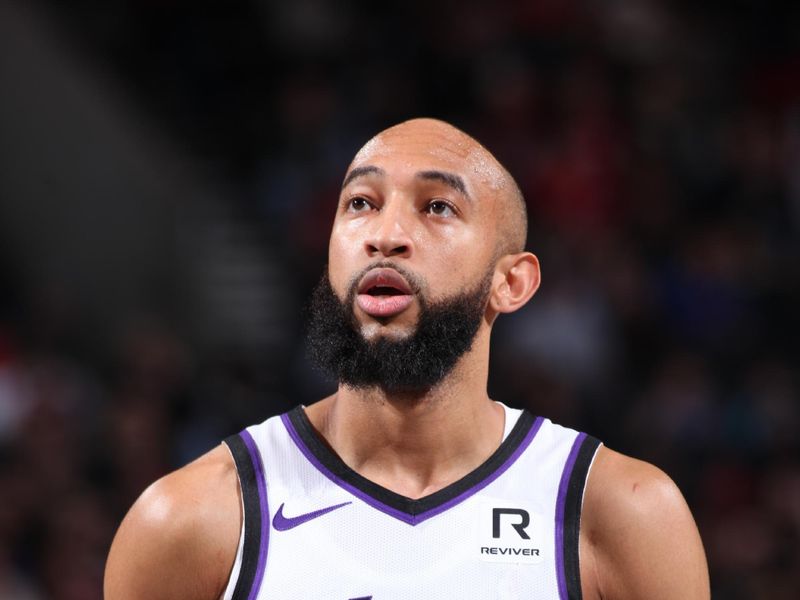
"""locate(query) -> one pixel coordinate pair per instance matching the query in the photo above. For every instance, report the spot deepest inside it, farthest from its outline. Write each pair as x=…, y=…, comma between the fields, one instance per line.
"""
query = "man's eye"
x=358, y=204
x=440, y=208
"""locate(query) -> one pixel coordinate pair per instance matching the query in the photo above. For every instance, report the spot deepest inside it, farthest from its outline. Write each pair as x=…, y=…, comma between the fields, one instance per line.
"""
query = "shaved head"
x=426, y=215
x=442, y=139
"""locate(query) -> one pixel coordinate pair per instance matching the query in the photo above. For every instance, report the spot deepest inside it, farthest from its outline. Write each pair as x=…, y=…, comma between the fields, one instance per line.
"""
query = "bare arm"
x=639, y=540
x=179, y=539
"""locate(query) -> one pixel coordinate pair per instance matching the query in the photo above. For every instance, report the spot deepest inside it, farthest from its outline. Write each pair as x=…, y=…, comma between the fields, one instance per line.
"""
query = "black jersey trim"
x=412, y=511
x=254, y=550
x=573, y=503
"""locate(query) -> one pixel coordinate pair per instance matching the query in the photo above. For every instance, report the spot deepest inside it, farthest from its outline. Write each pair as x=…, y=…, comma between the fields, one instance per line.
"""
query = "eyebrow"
x=361, y=172
x=449, y=179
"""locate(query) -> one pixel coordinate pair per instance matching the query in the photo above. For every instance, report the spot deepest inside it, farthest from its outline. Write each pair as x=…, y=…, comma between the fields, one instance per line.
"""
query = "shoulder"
x=638, y=537
x=179, y=539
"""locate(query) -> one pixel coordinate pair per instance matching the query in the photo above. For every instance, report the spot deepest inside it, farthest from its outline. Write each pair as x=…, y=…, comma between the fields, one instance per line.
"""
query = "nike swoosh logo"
x=282, y=523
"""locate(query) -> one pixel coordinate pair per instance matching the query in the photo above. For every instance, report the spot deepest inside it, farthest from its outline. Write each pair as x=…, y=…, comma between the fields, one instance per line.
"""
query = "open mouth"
x=384, y=293
x=382, y=290
x=384, y=282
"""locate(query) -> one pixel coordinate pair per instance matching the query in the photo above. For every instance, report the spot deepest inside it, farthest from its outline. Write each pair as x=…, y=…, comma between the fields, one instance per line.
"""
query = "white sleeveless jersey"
x=315, y=529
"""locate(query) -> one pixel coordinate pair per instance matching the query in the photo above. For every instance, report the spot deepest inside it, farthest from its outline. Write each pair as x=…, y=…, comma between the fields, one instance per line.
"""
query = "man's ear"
x=519, y=278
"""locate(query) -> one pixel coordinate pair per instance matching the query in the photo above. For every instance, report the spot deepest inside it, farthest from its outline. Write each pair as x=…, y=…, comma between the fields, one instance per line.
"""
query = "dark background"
x=168, y=175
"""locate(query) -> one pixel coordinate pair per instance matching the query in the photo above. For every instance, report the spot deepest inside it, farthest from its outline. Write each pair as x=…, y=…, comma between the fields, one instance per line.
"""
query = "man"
x=409, y=481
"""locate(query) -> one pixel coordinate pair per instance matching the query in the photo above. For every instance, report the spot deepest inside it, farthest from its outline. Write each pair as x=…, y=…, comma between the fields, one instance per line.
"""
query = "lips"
x=384, y=293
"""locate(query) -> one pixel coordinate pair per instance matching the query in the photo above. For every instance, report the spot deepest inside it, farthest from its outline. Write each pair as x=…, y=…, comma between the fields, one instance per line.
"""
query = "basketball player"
x=410, y=482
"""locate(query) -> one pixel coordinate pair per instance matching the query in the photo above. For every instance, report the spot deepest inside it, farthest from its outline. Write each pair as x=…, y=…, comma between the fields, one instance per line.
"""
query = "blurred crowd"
x=658, y=147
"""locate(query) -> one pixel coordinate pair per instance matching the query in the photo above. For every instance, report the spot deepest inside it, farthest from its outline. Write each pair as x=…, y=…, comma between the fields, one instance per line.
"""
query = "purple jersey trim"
x=560, y=506
x=258, y=466
x=399, y=514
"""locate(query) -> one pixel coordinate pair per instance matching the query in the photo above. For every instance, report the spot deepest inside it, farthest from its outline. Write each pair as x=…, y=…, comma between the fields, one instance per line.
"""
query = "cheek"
x=340, y=254
x=458, y=263
x=464, y=251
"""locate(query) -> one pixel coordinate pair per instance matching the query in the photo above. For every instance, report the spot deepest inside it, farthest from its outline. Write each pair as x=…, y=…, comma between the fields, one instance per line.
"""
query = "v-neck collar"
x=411, y=511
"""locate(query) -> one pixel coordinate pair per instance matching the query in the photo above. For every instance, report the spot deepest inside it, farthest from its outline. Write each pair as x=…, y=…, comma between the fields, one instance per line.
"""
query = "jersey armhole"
x=227, y=594
x=570, y=505
x=250, y=562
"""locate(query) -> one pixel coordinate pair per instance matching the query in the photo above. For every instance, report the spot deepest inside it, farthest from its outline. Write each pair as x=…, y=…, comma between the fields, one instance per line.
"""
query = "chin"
x=372, y=332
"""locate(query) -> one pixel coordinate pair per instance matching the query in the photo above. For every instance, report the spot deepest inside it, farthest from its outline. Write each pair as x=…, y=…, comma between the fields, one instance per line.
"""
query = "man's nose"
x=391, y=233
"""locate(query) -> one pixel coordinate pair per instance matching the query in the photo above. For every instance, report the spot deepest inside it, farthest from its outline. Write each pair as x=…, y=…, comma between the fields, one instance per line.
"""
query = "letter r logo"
x=524, y=520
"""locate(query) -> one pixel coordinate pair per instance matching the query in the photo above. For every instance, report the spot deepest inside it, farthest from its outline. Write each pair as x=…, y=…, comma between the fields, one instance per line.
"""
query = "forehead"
x=418, y=147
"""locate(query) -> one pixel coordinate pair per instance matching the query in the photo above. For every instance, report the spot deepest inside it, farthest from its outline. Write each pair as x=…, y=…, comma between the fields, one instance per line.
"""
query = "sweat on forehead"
x=440, y=140
x=447, y=143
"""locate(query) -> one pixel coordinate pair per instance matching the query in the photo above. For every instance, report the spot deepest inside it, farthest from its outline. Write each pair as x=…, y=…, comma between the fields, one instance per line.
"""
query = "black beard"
x=414, y=364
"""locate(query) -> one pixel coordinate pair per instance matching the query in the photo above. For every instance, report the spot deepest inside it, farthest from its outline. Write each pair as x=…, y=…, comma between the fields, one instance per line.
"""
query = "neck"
x=415, y=444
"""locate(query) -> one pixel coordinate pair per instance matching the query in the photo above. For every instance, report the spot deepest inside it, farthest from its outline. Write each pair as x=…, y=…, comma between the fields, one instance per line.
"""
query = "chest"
x=314, y=529
x=489, y=546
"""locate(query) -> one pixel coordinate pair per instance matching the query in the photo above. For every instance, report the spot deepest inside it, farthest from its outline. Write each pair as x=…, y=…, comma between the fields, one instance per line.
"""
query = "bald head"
x=441, y=140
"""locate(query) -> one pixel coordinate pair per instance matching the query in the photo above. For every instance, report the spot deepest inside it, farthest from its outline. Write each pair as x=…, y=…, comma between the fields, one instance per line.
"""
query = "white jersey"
x=315, y=529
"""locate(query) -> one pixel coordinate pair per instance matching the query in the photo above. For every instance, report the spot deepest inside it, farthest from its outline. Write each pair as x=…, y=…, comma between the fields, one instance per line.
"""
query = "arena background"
x=168, y=171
